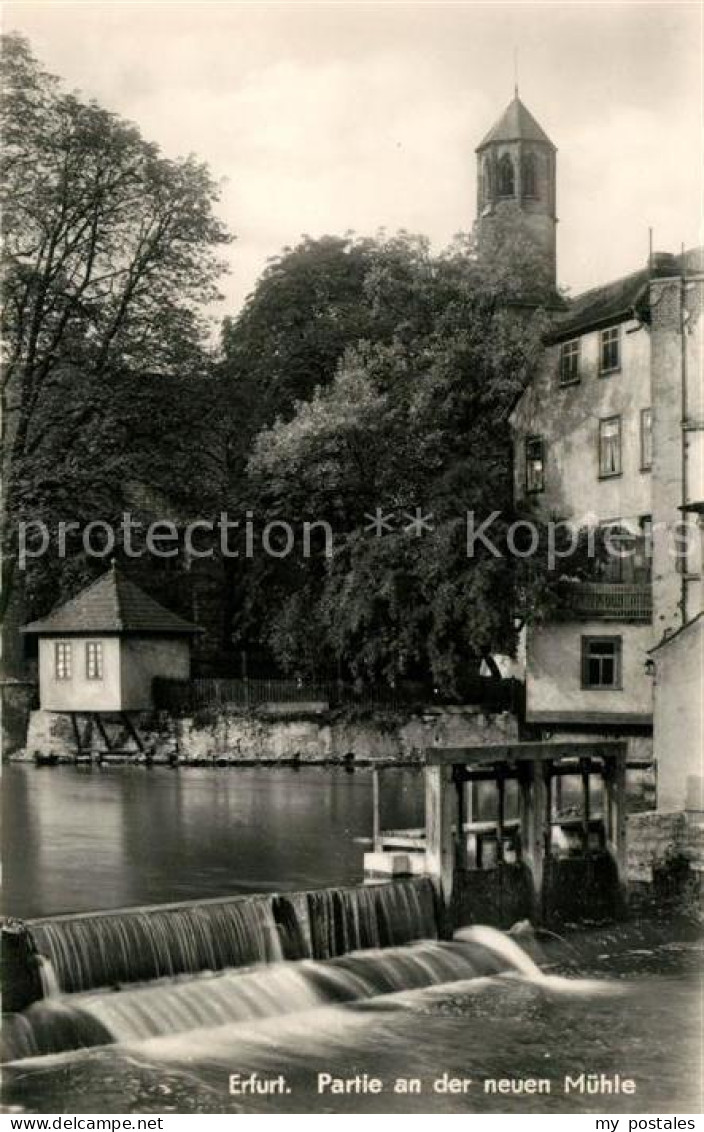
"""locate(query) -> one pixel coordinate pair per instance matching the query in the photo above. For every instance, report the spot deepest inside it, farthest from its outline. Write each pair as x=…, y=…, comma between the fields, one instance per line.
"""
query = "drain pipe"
x=684, y=561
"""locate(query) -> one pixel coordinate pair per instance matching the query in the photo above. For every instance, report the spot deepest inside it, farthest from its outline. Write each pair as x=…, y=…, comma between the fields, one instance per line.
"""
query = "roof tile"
x=112, y=604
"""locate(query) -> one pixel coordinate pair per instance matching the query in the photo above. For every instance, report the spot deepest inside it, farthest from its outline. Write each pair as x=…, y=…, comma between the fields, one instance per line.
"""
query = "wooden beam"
x=439, y=805
x=76, y=732
x=376, y=812
x=101, y=728
x=518, y=752
x=615, y=813
x=132, y=729
x=460, y=836
x=535, y=826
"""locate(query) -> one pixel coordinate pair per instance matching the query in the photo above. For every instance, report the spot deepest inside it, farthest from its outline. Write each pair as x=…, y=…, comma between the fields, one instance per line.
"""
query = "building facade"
x=609, y=437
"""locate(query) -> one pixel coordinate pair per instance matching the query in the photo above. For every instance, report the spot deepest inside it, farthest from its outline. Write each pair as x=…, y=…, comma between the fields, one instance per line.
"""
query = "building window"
x=569, y=362
x=610, y=350
x=62, y=660
x=529, y=178
x=601, y=662
x=535, y=465
x=646, y=439
x=506, y=177
x=610, y=447
x=94, y=660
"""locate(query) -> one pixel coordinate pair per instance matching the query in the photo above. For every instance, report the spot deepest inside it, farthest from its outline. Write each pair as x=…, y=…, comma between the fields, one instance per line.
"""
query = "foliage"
x=415, y=416
x=110, y=259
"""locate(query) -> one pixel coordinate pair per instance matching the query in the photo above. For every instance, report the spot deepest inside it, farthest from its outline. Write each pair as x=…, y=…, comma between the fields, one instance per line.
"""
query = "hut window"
x=94, y=660
x=529, y=177
x=62, y=660
x=506, y=177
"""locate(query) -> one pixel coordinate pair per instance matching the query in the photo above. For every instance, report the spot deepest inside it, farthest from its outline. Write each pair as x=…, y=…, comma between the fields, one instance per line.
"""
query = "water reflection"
x=76, y=839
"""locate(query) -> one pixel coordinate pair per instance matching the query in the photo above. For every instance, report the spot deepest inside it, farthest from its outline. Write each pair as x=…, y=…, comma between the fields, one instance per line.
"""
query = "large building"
x=609, y=436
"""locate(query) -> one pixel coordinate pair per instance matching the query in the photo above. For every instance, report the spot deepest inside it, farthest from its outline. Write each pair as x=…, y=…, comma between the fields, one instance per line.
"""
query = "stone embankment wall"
x=665, y=862
x=266, y=736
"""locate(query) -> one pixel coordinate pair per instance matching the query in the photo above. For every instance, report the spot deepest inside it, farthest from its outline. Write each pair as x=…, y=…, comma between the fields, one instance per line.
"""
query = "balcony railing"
x=604, y=601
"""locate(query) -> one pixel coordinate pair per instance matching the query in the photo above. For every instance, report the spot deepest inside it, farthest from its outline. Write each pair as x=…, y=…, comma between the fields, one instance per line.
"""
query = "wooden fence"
x=185, y=696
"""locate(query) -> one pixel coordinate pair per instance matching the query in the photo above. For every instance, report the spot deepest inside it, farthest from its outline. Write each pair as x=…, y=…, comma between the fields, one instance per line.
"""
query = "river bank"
x=274, y=734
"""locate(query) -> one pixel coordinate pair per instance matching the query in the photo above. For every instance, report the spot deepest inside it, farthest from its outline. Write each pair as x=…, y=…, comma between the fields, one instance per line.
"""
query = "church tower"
x=516, y=165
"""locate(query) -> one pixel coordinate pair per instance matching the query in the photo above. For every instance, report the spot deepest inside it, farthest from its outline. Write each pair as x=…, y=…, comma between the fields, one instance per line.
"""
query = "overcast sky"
x=327, y=117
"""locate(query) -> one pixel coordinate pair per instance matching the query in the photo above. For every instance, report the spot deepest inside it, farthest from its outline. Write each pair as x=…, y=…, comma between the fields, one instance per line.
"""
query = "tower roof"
x=516, y=124
x=111, y=605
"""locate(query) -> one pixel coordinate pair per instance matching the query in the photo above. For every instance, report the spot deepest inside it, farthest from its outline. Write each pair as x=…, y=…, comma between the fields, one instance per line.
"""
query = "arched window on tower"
x=506, y=177
x=488, y=174
x=529, y=176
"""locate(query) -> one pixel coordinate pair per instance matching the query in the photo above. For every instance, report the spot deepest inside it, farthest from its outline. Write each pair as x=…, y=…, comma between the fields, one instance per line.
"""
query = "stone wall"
x=665, y=862
x=228, y=737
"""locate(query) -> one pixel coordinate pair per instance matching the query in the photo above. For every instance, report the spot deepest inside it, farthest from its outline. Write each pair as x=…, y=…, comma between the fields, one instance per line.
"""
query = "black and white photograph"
x=352, y=550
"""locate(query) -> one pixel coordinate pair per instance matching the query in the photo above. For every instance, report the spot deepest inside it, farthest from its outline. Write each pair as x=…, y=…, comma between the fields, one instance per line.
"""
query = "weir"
x=137, y=973
x=135, y=945
x=544, y=854
x=168, y=1007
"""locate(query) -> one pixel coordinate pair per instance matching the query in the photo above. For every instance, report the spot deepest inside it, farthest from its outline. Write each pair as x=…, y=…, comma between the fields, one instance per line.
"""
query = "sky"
x=329, y=117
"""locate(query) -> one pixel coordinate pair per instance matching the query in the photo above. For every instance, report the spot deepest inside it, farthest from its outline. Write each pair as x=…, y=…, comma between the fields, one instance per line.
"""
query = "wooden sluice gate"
x=551, y=848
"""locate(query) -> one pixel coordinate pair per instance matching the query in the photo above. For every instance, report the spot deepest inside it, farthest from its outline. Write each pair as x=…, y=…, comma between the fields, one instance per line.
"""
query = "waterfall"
x=138, y=945
x=504, y=946
x=353, y=919
x=110, y=949
x=143, y=973
x=230, y=998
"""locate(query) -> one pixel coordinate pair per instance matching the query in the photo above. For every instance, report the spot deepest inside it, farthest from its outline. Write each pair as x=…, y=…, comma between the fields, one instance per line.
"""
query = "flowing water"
x=318, y=993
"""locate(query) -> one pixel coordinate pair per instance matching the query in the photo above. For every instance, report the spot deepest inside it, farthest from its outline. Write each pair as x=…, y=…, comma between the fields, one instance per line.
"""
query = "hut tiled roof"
x=516, y=124
x=111, y=605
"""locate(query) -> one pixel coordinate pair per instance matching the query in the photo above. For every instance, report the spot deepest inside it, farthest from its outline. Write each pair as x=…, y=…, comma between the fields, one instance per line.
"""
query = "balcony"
x=606, y=601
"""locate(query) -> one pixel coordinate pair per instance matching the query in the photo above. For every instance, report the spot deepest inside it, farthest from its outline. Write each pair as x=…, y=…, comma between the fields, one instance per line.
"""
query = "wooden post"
x=376, y=811
x=439, y=804
x=501, y=816
x=535, y=823
x=461, y=840
x=584, y=766
x=615, y=805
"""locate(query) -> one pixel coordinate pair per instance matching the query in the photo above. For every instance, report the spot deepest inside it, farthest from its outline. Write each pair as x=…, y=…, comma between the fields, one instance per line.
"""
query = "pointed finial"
x=515, y=72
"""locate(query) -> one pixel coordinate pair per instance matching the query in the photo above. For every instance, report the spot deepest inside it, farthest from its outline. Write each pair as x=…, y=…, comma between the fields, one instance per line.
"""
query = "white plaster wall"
x=79, y=693
x=679, y=719
x=567, y=417
x=554, y=675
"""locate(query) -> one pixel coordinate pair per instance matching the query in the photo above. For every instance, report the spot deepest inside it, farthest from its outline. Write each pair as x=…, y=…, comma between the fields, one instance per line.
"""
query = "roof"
x=697, y=619
x=622, y=298
x=516, y=124
x=605, y=305
x=114, y=605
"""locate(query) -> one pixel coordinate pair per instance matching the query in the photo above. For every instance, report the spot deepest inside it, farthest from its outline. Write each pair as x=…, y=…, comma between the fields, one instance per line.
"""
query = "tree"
x=110, y=261
x=413, y=424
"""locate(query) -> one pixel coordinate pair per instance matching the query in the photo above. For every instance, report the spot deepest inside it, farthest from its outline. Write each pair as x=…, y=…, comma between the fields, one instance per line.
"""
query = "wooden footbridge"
x=514, y=823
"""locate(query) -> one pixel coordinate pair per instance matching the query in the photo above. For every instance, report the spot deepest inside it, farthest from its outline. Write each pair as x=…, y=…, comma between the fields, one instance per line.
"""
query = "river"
x=609, y=1001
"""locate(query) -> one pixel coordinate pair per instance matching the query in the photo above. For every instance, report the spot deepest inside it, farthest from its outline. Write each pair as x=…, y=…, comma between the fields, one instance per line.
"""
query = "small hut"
x=100, y=651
